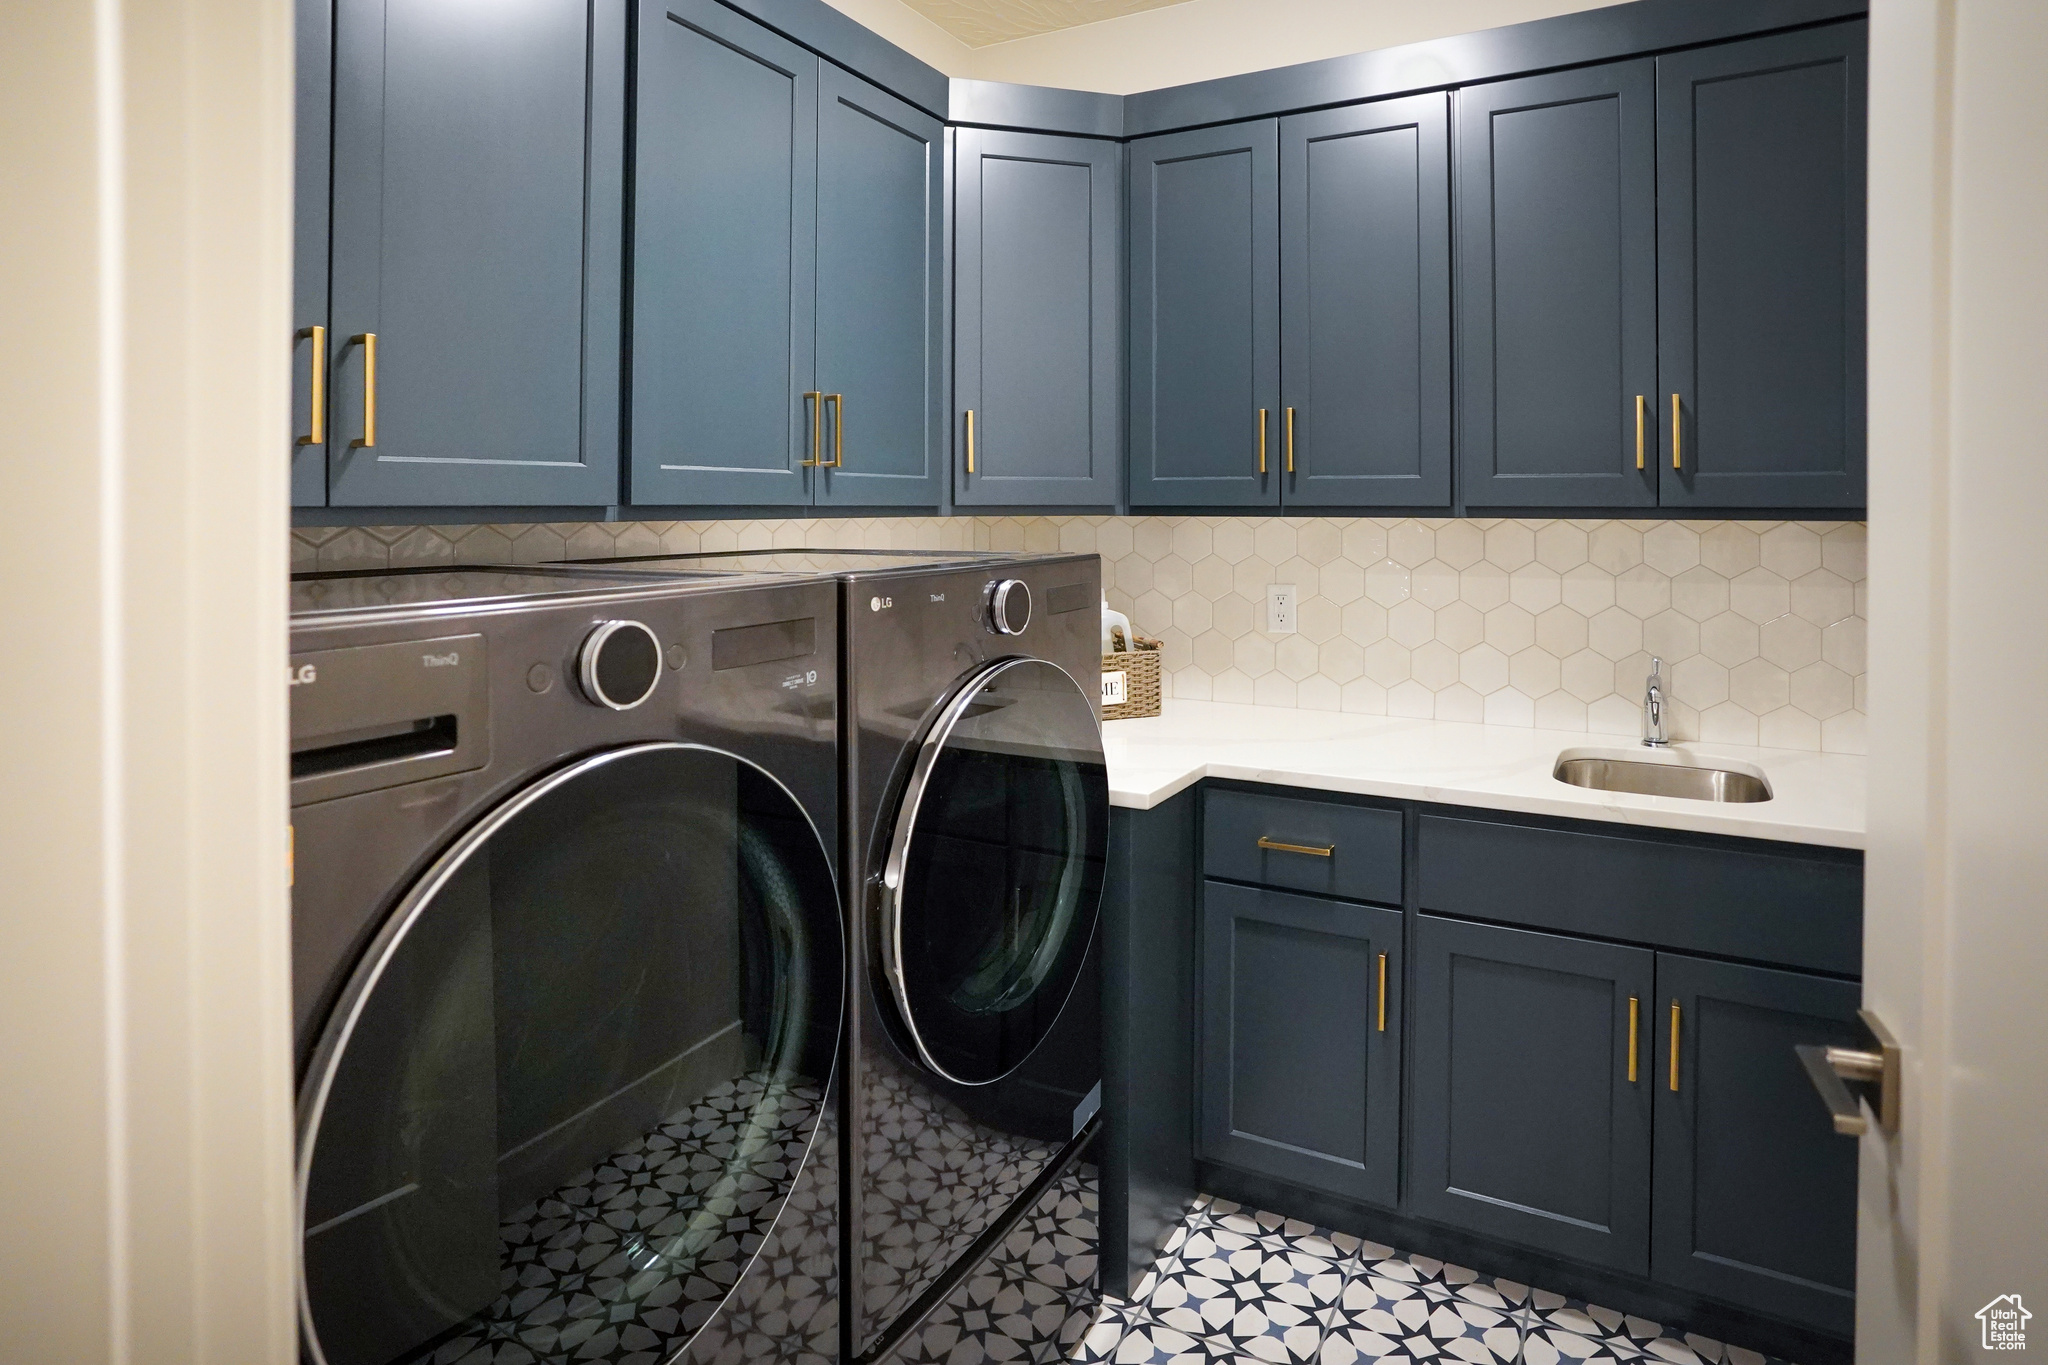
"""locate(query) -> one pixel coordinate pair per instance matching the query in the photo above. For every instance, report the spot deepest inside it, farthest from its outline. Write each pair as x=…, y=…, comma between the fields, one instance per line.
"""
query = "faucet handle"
x=1656, y=678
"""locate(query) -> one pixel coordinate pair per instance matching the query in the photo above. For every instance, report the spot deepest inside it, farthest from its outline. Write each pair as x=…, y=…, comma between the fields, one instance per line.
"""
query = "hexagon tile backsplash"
x=1535, y=623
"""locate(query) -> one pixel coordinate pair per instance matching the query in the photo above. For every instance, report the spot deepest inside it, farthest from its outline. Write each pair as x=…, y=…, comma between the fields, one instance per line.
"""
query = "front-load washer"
x=977, y=816
x=568, y=967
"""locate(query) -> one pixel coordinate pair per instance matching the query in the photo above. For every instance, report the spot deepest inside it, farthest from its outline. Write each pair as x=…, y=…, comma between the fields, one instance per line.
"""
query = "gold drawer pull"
x=1641, y=417
x=814, y=408
x=368, y=341
x=1674, y=1045
x=1383, y=992
x=1262, y=440
x=838, y=402
x=1312, y=850
x=1676, y=419
x=317, y=387
x=970, y=440
x=1634, y=1009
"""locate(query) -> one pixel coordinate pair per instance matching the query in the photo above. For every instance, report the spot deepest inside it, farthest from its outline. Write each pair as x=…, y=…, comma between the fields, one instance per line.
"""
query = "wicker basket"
x=1140, y=670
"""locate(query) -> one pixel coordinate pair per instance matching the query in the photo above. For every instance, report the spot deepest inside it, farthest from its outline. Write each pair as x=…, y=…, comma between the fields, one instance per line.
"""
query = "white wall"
x=145, y=1034
x=1955, y=1208
x=1197, y=40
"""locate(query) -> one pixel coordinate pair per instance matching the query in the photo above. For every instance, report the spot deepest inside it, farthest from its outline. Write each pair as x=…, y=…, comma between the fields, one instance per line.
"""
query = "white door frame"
x=1954, y=1210
x=145, y=1004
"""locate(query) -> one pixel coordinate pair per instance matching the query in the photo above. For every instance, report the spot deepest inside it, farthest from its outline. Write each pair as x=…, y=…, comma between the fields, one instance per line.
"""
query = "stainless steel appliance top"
x=368, y=589
x=841, y=563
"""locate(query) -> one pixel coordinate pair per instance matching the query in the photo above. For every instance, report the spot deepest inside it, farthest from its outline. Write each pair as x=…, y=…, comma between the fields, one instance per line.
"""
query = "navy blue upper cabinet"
x=1365, y=355
x=724, y=261
x=881, y=317
x=1755, y=1200
x=1531, y=1093
x=314, y=35
x=788, y=313
x=1205, y=318
x=1556, y=260
x=477, y=187
x=1301, y=1040
x=1760, y=208
x=1036, y=304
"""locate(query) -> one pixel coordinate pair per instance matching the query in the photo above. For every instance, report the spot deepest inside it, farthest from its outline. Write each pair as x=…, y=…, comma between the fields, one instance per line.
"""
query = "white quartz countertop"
x=1817, y=798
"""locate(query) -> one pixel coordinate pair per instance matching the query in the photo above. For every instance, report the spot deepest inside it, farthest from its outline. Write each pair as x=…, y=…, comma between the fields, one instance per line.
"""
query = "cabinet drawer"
x=1363, y=861
x=1801, y=907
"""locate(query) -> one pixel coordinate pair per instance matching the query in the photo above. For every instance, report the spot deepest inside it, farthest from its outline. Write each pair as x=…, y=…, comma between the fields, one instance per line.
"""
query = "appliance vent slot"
x=375, y=744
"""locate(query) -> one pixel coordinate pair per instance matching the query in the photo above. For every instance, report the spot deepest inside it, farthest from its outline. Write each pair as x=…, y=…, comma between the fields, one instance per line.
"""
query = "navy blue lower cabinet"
x=1531, y=1096
x=1301, y=1040
x=1755, y=1200
x=1036, y=319
x=1205, y=317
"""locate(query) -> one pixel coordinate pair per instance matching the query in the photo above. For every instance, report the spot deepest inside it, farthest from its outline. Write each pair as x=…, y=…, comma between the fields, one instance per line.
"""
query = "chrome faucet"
x=1653, y=707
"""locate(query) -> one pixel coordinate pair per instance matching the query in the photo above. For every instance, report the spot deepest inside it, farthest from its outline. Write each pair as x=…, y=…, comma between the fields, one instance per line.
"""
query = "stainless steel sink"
x=1613, y=772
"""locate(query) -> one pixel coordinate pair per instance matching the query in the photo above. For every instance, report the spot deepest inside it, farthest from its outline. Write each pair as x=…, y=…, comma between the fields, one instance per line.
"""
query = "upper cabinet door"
x=881, y=302
x=477, y=192
x=724, y=261
x=313, y=34
x=1755, y=1198
x=1205, y=317
x=1760, y=208
x=1557, y=349
x=1038, y=232
x=1365, y=269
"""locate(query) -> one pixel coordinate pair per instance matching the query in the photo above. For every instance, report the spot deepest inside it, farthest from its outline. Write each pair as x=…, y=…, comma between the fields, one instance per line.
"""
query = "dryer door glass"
x=567, y=1091
x=994, y=876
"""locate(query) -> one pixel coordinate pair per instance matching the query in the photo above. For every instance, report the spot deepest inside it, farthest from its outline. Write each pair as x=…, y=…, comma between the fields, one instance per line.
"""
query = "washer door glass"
x=994, y=877
x=562, y=1100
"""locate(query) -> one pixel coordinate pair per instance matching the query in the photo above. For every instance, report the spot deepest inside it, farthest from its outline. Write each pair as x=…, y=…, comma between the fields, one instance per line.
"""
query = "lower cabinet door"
x=1301, y=1040
x=1531, y=1094
x=1755, y=1199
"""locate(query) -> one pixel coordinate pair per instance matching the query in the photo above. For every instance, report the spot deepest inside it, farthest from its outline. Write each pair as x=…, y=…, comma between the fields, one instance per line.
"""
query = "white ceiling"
x=979, y=23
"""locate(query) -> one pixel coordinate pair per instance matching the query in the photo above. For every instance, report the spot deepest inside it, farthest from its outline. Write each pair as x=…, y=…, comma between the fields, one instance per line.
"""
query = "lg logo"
x=304, y=673
x=880, y=603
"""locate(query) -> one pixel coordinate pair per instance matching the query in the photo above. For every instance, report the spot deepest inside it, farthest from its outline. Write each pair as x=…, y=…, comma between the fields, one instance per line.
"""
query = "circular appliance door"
x=563, y=1099
x=994, y=875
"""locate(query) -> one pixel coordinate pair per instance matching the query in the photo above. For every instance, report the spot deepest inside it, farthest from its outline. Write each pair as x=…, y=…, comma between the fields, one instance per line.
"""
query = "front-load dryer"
x=977, y=816
x=568, y=967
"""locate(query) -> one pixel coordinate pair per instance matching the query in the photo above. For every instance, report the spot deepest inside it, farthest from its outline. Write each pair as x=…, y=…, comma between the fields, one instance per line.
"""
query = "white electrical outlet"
x=1280, y=608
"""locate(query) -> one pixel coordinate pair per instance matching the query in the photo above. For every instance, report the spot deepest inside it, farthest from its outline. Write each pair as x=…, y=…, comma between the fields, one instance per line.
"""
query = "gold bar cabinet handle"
x=1634, y=1010
x=368, y=341
x=1312, y=850
x=316, y=387
x=1674, y=1045
x=1262, y=440
x=1642, y=411
x=1290, y=440
x=838, y=402
x=814, y=404
x=970, y=440
x=1383, y=992
x=1674, y=454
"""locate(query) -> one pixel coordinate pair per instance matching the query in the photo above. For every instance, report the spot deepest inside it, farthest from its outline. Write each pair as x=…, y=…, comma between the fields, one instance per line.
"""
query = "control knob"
x=619, y=664
x=1009, y=606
